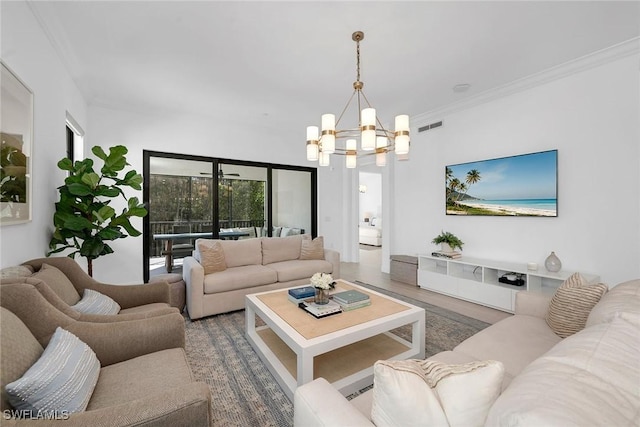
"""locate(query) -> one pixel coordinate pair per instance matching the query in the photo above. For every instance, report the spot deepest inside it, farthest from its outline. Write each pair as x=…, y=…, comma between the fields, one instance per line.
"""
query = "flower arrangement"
x=322, y=281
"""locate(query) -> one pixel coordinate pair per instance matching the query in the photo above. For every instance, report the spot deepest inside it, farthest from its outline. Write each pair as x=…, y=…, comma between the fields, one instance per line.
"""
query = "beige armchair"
x=146, y=385
x=64, y=290
x=134, y=337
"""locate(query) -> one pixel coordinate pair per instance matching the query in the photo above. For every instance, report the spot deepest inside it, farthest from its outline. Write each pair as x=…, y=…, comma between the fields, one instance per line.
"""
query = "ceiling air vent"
x=431, y=126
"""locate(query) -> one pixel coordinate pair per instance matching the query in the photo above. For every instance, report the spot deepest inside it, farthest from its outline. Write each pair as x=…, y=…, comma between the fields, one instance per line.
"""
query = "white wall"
x=592, y=118
x=28, y=53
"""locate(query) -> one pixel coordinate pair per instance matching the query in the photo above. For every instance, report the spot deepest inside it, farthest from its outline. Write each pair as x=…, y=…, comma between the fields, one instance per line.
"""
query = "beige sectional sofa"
x=251, y=265
x=589, y=378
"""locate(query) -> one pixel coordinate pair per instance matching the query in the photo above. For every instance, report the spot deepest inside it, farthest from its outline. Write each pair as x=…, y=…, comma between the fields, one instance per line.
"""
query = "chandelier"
x=374, y=138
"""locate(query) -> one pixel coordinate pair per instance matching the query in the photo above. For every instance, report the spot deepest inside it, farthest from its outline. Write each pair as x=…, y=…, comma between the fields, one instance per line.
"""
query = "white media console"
x=476, y=280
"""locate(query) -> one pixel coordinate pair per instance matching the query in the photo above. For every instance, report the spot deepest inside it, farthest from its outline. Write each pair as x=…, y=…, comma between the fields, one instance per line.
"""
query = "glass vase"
x=553, y=263
x=322, y=296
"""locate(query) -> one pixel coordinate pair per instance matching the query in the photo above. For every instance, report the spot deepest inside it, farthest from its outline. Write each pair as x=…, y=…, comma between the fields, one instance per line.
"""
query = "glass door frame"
x=215, y=217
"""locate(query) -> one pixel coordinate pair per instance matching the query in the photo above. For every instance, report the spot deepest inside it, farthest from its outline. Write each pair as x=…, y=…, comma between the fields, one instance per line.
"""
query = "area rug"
x=244, y=393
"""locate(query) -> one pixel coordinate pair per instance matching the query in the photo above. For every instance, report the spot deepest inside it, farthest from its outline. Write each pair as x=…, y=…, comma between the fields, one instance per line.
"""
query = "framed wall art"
x=16, y=134
x=523, y=185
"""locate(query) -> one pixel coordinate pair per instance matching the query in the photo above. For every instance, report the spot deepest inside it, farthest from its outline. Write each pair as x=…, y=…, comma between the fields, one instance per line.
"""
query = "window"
x=75, y=140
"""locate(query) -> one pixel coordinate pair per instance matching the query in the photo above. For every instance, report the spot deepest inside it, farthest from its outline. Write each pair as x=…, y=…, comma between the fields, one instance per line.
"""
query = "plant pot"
x=444, y=247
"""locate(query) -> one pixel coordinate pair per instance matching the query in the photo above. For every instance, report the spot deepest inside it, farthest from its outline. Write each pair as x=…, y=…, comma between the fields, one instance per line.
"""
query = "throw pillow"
x=571, y=304
x=312, y=249
x=58, y=282
x=94, y=302
x=425, y=392
x=62, y=379
x=15, y=271
x=212, y=256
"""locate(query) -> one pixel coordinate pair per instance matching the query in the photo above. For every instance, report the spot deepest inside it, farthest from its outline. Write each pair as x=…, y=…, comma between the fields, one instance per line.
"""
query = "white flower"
x=322, y=281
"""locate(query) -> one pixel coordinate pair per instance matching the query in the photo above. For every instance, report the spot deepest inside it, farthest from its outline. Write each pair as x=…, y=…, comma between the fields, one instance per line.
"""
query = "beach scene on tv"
x=524, y=185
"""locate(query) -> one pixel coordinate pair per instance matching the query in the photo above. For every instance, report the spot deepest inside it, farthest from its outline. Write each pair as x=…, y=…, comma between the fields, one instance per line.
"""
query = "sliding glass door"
x=189, y=197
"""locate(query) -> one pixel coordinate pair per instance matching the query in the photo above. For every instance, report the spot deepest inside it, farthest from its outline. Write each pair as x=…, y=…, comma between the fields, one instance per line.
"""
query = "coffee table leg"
x=417, y=336
x=305, y=368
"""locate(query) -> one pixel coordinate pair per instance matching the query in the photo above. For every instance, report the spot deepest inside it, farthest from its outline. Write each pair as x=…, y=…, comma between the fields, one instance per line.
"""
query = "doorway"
x=370, y=217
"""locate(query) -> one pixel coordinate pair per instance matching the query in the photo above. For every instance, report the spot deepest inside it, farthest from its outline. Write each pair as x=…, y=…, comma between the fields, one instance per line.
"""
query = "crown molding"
x=594, y=59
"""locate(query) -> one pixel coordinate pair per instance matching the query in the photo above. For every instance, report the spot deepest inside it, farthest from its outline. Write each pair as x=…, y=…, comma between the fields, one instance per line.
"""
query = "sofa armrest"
x=319, y=404
x=128, y=296
x=333, y=257
x=68, y=310
x=185, y=405
x=193, y=275
x=118, y=341
x=532, y=304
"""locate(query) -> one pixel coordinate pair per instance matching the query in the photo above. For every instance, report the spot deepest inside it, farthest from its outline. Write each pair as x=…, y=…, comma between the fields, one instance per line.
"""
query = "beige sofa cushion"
x=300, y=269
x=281, y=249
x=59, y=283
x=144, y=376
x=242, y=252
x=589, y=379
x=571, y=304
x=522, y=339
x=246, y=276
x=623, y=298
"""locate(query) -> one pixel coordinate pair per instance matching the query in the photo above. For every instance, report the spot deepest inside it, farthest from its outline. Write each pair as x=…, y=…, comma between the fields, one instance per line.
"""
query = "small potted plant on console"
x=448, y=243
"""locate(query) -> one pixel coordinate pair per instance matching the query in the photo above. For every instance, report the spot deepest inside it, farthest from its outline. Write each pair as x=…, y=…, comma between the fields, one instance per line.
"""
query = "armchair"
x=153, y=388
x=64, y=290
x=134, y=337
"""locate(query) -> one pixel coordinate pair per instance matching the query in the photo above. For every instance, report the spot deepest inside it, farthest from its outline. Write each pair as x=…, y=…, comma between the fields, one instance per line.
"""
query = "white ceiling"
x=285, y=63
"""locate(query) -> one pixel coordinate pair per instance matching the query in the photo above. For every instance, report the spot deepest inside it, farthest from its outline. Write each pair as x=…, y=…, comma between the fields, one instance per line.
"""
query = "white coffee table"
x=297, y=348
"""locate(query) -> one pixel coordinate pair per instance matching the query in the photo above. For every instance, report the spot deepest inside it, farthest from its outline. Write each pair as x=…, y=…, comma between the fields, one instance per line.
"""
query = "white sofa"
x=252, y=265
x=589, y=378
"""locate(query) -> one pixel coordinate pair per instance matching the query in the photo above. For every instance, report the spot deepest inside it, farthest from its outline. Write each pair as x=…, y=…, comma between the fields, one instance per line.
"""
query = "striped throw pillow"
x=94, y=302
x=62, y=379
x=571, y=304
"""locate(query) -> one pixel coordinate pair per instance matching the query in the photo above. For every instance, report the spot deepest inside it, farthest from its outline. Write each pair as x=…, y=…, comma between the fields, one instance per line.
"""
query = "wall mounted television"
x=522, y=185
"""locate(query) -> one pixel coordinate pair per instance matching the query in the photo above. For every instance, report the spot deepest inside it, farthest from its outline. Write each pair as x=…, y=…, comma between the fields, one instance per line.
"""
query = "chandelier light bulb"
x=312, y=152
x=402, y=134
x=368, y=127
x=328, y=133
x=352, y=147
x=325, y=159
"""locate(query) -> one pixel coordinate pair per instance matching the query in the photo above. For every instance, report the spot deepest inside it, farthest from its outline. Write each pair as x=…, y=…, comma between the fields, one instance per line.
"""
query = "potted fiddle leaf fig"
x=84, y=220
x=449, y=239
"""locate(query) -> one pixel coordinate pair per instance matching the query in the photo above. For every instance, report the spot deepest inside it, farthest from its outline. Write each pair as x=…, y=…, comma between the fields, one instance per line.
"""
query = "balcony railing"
x=166, y=227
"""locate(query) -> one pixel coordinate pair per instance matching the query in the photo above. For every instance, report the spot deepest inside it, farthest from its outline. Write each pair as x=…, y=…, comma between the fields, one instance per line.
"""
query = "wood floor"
x=368, y=271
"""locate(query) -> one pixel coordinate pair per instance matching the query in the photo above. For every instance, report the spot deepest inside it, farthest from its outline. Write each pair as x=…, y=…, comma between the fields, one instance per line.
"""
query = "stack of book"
x=298, y=295
x=450, y=255
x=352, y=299
x=320, y=310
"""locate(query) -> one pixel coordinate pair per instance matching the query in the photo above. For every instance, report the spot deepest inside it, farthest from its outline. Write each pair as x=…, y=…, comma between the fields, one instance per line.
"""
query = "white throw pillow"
x=425, y=392
x=62, y=380
x=94, y=302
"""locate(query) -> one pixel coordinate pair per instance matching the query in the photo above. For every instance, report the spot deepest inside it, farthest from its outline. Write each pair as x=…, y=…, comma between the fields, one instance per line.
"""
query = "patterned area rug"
x=244, y=393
